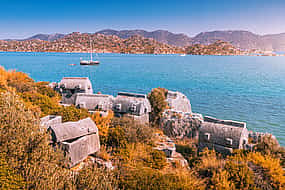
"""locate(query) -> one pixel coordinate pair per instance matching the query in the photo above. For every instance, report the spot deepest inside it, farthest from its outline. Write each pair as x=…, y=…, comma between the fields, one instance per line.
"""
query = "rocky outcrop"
x=178, y=102
x=165, y=144
x=178, y=121
x=180, y=124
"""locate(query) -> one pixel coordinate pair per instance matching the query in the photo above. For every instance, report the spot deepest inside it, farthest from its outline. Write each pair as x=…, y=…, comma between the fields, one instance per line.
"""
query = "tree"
x=157, y=99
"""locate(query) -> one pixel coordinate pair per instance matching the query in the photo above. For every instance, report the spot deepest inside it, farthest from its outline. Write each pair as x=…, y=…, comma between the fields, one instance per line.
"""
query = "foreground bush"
x=147, y=178
x=26, y=149
x=126, y=130
x=92, y=177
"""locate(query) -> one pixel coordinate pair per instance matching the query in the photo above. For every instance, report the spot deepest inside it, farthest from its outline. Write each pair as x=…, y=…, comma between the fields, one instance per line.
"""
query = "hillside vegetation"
x=81, y=42
x=29, y=162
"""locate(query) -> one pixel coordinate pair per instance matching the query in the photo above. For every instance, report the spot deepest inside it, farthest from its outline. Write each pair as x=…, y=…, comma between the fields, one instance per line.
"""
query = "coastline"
x=78, y=52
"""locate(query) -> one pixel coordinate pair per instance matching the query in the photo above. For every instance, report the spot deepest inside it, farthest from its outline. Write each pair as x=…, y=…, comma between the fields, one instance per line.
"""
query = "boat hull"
x=89, y=62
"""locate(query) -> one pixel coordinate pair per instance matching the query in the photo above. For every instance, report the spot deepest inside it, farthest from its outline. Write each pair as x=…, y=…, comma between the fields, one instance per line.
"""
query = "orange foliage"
x=103, y=124
x=3, y=78
x=220, y=181
x=272, y=168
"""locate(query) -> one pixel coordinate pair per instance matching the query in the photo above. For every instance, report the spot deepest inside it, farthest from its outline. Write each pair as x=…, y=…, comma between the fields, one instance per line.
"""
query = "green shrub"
x=188, y=150
x=157, y=99
x=133, y=131
x=45, y=103
x=117, y=137
x=44, y=89
x=71, y=113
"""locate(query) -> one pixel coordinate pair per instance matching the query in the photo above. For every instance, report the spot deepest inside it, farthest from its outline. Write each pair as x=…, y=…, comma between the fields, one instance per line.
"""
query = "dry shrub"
x=9, y=179
x=20, y=81
x=272, y=169
x=240, y=174
x=220, y=181
x=148, y=178
x=103, y=124
x=270, y=145
x=92, y=177
x=3, y=79
x=104, y=153
x=27, y=150
x=209, y=163
x=188, y=149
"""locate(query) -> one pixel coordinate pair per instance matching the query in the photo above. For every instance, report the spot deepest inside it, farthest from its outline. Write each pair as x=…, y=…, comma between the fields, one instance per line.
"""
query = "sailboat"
x=91, y=61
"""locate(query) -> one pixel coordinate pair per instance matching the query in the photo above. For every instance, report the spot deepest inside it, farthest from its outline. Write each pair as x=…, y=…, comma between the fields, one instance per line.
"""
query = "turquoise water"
x=243, y=88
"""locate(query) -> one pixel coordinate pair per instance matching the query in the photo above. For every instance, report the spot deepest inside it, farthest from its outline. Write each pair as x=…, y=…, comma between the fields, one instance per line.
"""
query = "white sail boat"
x=91, y=61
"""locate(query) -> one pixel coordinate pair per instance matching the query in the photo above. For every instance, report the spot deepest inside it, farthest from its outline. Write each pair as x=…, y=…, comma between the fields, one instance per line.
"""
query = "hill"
x=241, y=39
x=46, y=37
x=217, y=48
x=162, y=36
x=80, y=42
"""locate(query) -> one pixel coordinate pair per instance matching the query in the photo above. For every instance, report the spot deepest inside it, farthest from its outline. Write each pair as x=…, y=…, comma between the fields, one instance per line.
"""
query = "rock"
x=166, y=145
x=178, y=102
x=106, y=164
x=180, y=124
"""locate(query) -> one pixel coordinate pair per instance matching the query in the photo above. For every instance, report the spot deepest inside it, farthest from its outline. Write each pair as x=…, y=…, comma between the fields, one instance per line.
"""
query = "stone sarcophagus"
x=94, y=102
x=50, y=120
x=132, y=105
x=222, y=135
x=68, y=87
x=77, y=139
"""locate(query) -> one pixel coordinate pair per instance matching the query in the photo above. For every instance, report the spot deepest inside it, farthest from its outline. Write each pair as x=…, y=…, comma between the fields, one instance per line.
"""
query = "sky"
x=21, y=19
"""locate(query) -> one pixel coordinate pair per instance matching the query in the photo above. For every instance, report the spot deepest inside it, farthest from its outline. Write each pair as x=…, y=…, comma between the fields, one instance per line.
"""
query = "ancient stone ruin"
x=135, y=106
x=178, y=121
x=77, y=139
x=78, y=91
x=178, y=102
x=222, y=135
x=68, y=87
x=94, y=102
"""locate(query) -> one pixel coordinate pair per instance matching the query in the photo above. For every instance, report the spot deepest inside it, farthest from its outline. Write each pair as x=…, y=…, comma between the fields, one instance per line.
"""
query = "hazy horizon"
x=22, y=19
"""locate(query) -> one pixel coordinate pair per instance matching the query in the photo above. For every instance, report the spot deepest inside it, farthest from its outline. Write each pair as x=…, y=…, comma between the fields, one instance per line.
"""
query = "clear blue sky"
x=19, y=19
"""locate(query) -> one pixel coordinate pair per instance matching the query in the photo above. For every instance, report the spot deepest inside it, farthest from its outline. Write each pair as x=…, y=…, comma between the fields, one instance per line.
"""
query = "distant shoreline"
x=178, y=54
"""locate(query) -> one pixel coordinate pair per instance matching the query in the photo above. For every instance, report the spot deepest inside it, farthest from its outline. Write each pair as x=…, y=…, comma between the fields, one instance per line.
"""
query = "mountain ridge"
x=239, y=38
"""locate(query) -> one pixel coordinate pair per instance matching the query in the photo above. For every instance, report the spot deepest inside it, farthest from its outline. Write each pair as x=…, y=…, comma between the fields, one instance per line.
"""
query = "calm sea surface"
x=250, y=89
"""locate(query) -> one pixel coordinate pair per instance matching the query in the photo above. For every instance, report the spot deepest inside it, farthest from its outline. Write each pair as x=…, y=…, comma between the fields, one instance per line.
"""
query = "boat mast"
x=91, y=50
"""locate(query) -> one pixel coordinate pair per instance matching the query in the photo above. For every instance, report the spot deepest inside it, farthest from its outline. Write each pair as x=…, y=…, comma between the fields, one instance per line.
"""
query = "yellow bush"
x=220, y=181
x=103, y=124
x=272, y=168
x=209, y=163
x=148, y=178
x=3, y=79
x=26, y=148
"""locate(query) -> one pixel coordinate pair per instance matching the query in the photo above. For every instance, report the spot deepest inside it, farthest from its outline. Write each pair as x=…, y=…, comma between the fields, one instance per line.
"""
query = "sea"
x=242, y=88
